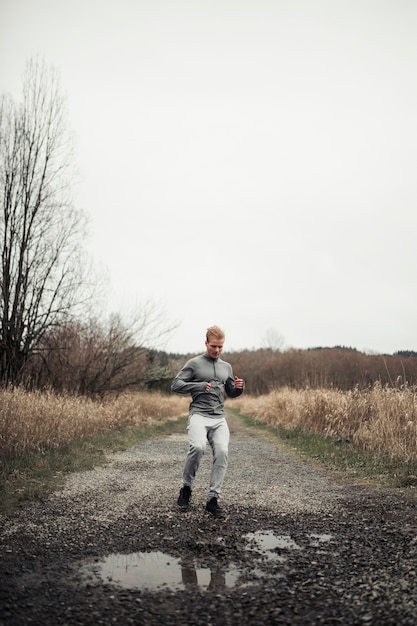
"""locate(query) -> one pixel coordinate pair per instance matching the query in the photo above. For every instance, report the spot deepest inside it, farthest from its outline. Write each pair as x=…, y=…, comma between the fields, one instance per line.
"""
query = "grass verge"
x=31, y=476
x=341, y=455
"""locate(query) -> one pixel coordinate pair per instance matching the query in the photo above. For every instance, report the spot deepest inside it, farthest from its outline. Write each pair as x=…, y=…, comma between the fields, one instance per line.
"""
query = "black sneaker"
x=213, y=508
x=184, y=497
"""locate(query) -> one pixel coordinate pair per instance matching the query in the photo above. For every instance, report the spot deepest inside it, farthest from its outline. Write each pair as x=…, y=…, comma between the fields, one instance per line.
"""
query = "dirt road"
x=298, y=545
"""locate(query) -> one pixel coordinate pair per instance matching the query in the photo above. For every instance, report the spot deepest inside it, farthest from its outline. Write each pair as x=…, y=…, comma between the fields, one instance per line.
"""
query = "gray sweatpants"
x=216, y=431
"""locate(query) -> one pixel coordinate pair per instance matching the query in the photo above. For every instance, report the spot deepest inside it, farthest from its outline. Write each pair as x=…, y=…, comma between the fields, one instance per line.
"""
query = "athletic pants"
x=216, y=431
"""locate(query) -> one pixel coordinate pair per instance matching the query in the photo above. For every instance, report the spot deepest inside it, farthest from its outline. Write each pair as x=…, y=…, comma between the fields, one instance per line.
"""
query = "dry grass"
x=381, y=420
x=34, y=421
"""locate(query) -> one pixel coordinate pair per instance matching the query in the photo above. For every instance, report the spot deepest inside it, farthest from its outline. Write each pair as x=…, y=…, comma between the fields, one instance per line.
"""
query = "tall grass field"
x=378, y=419
x=34, y=421
x=381, y=420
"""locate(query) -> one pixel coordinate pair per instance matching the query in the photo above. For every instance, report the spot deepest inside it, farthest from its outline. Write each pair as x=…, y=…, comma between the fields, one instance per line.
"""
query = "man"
x=207, y=378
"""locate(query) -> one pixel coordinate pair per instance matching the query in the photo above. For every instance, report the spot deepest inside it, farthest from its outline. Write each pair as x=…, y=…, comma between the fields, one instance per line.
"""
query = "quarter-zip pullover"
x=193, y=378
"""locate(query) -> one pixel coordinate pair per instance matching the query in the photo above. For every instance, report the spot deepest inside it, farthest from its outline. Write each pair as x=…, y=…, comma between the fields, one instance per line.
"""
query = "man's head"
x=214, y=341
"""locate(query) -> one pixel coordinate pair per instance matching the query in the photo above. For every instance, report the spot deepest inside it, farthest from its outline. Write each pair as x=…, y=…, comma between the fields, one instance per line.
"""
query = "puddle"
x=156, y=570
x=319, y=540
x=267, y=542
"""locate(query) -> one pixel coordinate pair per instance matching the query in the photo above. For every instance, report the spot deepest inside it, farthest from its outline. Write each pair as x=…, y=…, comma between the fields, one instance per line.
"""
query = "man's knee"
x=197, y=448
x=221, y=453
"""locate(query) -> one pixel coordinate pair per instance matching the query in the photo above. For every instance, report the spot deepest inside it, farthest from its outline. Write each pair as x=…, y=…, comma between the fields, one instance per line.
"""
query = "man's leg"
x=197, y=440
x=218, y=437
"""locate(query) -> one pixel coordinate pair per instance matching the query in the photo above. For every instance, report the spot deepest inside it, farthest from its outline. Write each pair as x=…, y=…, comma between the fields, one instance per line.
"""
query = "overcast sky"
x=247, y=163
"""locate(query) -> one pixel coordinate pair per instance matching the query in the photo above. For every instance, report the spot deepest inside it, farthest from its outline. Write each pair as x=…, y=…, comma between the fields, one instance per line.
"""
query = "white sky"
x=247, y=163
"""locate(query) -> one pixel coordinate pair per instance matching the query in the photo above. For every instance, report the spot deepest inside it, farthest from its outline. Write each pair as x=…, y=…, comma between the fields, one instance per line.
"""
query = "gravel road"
x=298, y=545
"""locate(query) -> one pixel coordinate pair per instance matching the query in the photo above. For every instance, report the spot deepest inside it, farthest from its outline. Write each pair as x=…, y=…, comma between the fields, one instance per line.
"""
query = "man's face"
x=214, y=347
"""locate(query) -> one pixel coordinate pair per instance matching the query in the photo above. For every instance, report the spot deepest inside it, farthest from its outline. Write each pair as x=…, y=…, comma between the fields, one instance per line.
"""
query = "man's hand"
x=208, y=387
x=239, y=383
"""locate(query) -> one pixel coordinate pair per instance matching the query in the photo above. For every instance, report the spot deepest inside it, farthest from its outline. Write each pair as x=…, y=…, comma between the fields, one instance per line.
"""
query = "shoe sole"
x=217, y=516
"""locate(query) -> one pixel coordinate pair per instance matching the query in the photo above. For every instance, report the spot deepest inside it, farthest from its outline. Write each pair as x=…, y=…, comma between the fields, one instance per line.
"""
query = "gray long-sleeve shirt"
x=193, y=378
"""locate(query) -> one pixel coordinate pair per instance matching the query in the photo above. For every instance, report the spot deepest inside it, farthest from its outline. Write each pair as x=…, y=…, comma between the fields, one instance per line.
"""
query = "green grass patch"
x=341, y=455
x=31, y=476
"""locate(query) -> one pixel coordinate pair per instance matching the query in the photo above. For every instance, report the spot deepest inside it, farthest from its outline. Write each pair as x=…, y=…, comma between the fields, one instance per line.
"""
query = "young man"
x=207, y=378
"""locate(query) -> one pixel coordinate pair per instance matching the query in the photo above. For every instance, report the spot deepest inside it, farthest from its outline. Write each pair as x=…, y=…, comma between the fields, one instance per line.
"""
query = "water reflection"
x=154, y=570
x=206, y=578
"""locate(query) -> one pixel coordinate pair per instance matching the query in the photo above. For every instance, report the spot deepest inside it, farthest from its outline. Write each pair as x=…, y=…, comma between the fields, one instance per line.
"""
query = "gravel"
x=298, y=545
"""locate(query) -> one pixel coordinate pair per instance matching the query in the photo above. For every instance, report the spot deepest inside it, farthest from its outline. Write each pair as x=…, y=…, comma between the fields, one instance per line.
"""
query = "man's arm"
x=183, y=382
x=234, y=386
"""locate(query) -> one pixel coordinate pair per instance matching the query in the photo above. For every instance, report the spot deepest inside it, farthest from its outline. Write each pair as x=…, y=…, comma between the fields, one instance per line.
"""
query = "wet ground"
x=156, y=570
x=297, y=546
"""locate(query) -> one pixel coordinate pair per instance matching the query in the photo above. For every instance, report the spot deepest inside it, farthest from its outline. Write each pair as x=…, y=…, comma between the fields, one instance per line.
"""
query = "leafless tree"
x=40, y=231
x=272, y=340
x=95, y=358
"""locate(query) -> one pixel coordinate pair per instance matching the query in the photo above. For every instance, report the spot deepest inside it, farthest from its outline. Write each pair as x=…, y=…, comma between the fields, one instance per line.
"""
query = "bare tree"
x=40, y=232
x=96, y=358
x=272, y=340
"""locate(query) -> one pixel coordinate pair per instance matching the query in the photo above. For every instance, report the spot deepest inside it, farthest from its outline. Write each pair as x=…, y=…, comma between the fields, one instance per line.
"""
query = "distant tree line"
x=96, y=360
x=338, y=367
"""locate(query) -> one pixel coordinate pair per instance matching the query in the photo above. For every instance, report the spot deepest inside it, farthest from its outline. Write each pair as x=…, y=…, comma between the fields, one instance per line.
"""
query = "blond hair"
x=214, y=331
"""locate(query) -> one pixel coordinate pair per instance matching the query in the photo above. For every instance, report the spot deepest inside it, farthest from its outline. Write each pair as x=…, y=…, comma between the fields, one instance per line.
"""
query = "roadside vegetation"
x=44, y=436
x=370, y=432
